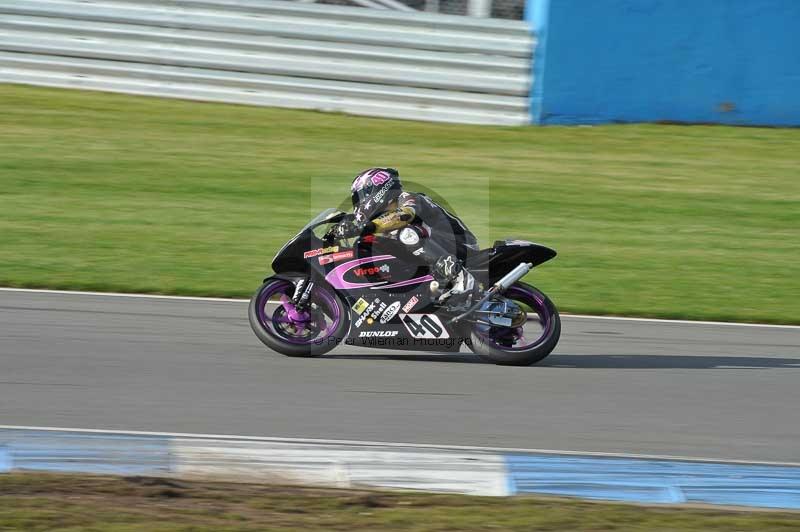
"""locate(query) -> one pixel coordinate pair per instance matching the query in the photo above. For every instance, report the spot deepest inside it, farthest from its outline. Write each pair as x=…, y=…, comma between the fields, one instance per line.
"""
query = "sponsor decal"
x=381, y=193
x=380, y=177
x=320, y=251
x=410, y=304
x=409, y=237
x=360, y=306
x=365, y=314
x=424, y=325
x=378, y=311
x=367, y=334
x=419, y=251
x=390, y=312
x=371, y=312
x=373, y=270
x=336, y=257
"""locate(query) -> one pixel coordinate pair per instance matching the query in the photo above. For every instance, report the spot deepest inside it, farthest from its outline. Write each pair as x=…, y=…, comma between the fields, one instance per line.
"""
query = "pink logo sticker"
x=380, y=177
x=410, y=304
x=335, y=257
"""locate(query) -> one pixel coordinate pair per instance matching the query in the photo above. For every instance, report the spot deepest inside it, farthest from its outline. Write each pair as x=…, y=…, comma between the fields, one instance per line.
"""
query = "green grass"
x=83, y=503
x=113, y=192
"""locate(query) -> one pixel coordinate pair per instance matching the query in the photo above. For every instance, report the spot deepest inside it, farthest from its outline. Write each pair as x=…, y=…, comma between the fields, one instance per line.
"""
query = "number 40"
x=426, y=324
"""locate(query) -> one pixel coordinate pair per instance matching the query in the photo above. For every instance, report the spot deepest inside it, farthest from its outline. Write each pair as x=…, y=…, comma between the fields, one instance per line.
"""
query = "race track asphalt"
x=699, y=390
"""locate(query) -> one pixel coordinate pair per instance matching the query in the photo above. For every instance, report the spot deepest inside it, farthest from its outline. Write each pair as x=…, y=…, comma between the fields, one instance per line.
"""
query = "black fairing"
x=290, y=257
x=497, y=261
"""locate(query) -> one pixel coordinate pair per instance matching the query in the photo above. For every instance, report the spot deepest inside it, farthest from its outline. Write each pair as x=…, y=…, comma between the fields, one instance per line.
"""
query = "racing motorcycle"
x=372, y=291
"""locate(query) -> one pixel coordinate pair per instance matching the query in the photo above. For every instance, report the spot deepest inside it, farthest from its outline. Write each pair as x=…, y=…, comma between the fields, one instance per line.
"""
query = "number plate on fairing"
x=424, y=325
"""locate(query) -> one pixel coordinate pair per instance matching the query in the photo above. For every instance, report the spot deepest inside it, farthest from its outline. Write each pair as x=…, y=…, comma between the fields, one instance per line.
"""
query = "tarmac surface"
x=718, y=391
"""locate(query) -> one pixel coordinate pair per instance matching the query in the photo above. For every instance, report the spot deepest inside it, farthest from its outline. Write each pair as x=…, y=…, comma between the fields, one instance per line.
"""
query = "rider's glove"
x=349, y=229
x=344, y=229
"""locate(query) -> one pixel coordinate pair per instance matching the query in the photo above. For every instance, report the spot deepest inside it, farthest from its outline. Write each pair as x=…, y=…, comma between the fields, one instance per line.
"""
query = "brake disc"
x=520, y=318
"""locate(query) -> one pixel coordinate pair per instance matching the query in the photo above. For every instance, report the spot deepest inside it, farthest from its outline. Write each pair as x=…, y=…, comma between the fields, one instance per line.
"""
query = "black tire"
x=527, y=357
x=282, y=346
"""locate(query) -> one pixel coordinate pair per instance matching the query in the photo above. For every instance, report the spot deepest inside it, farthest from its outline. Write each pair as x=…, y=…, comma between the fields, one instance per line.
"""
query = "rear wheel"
x=308, y=333
x=527, y=343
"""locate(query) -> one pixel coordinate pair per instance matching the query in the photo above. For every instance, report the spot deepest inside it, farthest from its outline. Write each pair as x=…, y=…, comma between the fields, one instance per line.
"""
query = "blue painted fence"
x=717, y=61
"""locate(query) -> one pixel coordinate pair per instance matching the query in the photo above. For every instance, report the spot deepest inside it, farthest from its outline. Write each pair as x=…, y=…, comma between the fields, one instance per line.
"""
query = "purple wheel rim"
x=536, y=302
x=271, y=322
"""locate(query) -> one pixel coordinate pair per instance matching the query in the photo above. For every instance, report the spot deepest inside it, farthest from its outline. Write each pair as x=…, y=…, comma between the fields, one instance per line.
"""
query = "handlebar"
x=367, y=238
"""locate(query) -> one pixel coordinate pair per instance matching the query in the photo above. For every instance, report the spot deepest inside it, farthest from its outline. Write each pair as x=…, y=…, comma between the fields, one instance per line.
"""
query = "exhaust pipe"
x=513, y=276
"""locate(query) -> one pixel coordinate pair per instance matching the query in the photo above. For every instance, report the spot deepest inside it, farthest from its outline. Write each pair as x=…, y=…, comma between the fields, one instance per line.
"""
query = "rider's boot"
x=457, y=281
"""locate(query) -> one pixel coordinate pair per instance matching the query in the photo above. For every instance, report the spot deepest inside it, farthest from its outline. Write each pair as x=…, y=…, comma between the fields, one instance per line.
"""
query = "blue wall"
x=725, y=61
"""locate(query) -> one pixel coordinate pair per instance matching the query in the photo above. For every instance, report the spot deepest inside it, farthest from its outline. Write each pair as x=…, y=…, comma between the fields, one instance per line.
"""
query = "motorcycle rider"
x=428, y=230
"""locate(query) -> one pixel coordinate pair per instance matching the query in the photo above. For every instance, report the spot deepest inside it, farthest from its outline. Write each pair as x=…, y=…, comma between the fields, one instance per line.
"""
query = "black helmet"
x=373, y=190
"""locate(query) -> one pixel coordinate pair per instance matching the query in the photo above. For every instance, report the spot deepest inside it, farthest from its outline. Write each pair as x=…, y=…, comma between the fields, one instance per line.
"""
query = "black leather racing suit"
x=445, y=242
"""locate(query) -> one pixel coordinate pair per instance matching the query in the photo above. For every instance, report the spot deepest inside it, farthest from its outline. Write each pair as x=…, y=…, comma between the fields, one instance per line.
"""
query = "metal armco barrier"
x=333, y=58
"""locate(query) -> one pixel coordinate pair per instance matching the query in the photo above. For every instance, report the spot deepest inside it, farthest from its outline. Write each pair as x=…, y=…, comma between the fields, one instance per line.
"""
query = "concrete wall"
x=723, y=61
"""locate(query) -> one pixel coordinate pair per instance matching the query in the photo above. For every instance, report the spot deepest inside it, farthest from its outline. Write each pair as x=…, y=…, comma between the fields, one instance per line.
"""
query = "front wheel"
x=528, y=342
x=311, y=332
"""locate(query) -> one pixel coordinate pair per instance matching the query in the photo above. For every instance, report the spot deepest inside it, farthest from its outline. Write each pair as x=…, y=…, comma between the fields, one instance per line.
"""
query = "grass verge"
x=123, y=193
x=39, y=502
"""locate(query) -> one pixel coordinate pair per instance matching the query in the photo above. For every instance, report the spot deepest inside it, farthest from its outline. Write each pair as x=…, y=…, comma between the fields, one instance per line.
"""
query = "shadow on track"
x=453, y=358
x=600, y=361
x=667, y=362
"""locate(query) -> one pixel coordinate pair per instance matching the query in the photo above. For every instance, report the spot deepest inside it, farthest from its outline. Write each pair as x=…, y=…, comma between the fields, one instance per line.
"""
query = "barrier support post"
x=537, y=15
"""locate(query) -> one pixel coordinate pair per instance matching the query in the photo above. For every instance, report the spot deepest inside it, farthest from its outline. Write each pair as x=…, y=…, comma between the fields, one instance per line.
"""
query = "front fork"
x=296, y=306
x=302, y=292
